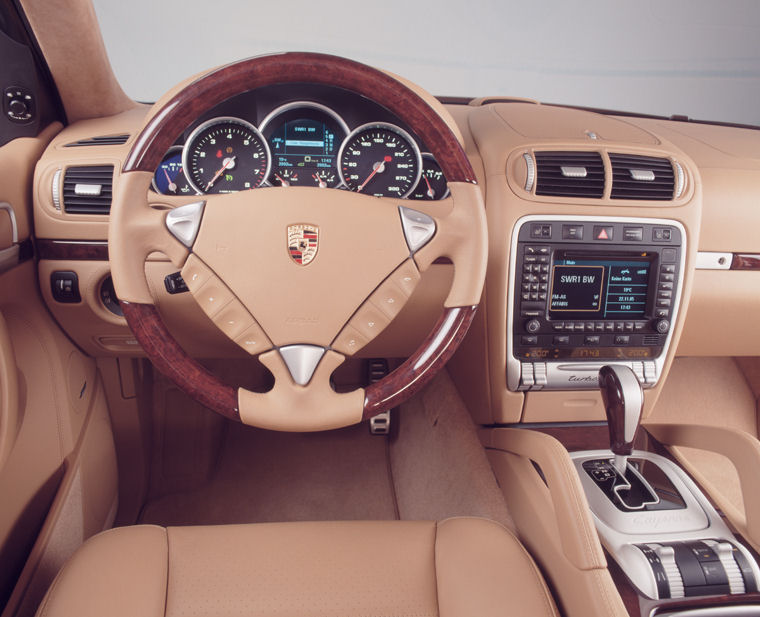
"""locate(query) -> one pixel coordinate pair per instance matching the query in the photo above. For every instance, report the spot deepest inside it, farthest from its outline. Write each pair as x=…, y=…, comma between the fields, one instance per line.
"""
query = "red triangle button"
x=603, y=235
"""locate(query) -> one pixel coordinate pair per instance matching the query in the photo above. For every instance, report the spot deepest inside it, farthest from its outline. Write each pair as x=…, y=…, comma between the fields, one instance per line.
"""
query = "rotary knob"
x=18, y=107
x=662, y=326
x=532, y=326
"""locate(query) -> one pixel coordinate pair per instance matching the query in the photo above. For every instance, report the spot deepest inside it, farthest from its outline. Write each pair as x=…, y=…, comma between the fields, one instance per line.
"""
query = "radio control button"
x=599, y=326
x=639, y=325
x=619, y=326
x=668, y=268
x=668, y=255
x=526, y=286
x=562, y=339
x=526, y=297
x=542, y=296
x=527, y=268
x=629, y=326
x=663, y=303
x=663, y=293
x=662, y=326
x=544, y=278
x=544, y=268
x=530, y=278
x=591, y=340
x=579, y=326
x=661, y=313
x=558, y=326
x=530, y=259
x=622, y=339
x=532, y=326
x=529, y=340
x=543, y=287
x=668, y=278
x=666, y=285
x=543, y=259
x=569, y=326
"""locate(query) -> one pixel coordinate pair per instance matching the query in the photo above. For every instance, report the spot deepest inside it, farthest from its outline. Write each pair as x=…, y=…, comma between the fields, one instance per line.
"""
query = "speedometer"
x=225, y=155
x=380, y=159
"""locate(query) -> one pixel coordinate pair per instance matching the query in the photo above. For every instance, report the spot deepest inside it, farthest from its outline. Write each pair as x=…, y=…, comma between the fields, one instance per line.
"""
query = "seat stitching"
x=166, y=585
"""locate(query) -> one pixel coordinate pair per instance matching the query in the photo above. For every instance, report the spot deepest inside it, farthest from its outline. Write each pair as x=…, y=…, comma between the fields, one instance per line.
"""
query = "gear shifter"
x=623, y=400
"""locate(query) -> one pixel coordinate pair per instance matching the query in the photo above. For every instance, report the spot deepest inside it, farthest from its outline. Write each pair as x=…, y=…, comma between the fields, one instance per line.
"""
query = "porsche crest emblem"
x=303, y=242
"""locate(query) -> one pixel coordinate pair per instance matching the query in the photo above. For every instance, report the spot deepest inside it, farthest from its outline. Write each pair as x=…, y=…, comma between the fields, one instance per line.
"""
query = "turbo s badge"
x=303, y=242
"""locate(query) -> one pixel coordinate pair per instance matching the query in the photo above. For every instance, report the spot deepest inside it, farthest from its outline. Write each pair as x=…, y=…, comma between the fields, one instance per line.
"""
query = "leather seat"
x=457, y=567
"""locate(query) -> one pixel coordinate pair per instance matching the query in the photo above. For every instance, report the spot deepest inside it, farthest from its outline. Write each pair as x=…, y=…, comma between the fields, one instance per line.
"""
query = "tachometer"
x=225, y=155
x=380, y=159
x=304, y=138
x=432, y=184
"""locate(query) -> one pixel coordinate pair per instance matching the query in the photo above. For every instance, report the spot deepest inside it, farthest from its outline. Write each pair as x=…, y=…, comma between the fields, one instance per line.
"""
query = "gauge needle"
x=430, y=192
x=322, y=183
x=377, y=168
x=171, y=186
x=228, y=163
x=283, y=182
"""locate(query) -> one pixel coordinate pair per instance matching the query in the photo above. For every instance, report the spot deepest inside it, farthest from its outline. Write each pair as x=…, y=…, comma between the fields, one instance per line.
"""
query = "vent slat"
x=551, y=181
x=625, y=187
x=101, y=140
x=74, y=203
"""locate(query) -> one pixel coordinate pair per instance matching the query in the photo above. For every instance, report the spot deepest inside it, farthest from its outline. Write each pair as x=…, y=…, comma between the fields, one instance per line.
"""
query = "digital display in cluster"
x=599, y=287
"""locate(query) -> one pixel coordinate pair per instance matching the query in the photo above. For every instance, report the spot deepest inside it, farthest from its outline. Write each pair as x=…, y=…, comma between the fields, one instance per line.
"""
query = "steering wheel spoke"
x=289, y=406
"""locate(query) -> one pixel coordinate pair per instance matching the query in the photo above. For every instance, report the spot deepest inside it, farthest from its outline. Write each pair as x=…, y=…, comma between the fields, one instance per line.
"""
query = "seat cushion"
x=453, y=568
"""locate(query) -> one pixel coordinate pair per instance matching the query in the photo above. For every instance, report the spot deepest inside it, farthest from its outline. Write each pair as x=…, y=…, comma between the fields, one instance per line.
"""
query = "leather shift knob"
x=623, y=399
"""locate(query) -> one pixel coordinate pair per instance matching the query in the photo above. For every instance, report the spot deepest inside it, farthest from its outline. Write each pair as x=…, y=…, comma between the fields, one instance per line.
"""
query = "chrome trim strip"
x=707, y=260
x=14, y=223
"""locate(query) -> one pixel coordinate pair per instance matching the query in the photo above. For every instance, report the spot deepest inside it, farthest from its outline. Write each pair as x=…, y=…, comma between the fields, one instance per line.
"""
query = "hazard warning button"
x=603, y=232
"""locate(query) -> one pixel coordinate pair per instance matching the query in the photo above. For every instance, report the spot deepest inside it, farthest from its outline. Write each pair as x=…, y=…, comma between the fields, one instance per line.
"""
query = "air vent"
x=569, y=174
x=652, y=340
x=87, y=190
x=103, y=140
x=641, y=177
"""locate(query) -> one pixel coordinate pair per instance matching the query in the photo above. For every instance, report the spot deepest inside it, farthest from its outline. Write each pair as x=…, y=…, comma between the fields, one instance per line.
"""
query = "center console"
x=590, y=291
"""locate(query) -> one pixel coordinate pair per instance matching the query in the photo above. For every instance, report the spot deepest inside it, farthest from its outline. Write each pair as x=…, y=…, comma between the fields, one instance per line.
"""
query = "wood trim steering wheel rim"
x=203, y=94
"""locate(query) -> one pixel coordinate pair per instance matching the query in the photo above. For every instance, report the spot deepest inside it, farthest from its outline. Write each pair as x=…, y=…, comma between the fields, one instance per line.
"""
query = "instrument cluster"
x=300, y=143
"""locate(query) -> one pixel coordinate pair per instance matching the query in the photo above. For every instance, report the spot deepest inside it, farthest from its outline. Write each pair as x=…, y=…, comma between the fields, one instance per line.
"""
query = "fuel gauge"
x=432, y=184
x=169, y=178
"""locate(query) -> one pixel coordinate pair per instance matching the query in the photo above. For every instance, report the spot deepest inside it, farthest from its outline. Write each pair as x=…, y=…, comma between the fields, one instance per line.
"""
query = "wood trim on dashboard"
x=168, y=357
x=297, y=67
x=420, y=368
x=74, y=250
x=745, y=261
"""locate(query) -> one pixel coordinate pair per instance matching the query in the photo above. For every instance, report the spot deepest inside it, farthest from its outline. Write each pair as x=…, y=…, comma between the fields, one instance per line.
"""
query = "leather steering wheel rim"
x=202, y=95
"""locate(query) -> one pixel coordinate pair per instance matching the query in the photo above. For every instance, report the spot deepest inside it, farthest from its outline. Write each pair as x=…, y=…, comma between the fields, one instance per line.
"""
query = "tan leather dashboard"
x=716, y=204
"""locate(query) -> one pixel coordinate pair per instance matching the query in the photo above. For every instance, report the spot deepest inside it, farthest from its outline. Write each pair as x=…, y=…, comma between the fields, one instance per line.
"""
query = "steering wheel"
x=302, y=320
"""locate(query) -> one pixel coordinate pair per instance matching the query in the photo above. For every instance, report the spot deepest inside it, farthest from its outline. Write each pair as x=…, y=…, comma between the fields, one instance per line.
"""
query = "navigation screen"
x=599, y=287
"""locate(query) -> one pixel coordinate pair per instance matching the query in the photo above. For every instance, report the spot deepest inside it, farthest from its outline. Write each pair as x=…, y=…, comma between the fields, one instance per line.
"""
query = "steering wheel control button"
x=389, y=298
x=195, y=273
x=213, y=296
x=369, y=320
x=349, y=341
x=185, y=221
x=233, y=319
x=302, y=361
x=419, y=228
x=253, y=340
x=406, y=276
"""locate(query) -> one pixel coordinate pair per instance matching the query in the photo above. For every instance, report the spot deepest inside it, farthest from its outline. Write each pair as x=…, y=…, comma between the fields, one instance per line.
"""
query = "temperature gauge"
x=169, y=178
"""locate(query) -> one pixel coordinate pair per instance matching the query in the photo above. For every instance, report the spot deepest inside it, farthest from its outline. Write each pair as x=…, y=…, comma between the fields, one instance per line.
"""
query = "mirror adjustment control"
x=65, y=287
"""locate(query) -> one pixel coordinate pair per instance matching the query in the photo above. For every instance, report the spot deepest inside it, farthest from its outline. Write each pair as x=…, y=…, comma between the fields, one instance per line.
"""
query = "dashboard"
x=543, y=169
x=307, y=136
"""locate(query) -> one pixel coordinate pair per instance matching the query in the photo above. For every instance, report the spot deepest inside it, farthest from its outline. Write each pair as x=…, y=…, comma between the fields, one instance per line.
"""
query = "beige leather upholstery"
x=457, y=567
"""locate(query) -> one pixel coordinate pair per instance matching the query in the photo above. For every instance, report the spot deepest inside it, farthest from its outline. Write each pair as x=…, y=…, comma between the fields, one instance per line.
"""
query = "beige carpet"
x=266, y=476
